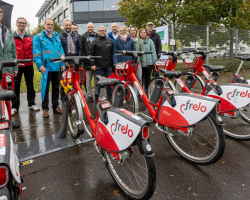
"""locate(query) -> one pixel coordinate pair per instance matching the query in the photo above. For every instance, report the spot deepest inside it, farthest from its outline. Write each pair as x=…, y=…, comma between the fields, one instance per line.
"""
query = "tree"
x=40, y=28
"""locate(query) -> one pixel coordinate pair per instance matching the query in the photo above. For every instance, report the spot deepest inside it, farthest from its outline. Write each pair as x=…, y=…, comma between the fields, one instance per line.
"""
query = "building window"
x=60, y=17
x=111, y=4
x=55, y=20
x=59, y=1
x=49, y=11
x=54, y=5
x=66, y=13
x=81, y=6
x=95, y=5
x=46, y=13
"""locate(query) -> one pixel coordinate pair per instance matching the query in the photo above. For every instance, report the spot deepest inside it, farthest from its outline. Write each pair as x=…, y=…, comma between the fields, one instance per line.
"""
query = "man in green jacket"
x=8, y=51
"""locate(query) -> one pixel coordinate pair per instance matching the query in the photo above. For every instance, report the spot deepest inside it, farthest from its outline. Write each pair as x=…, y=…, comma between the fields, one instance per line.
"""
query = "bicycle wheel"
x=130, y=100
x=196, y=87
x=151, y=85
x=245, y=113
x=204, y=146
x=75, y=114
x=237, y=126
x=136, y=177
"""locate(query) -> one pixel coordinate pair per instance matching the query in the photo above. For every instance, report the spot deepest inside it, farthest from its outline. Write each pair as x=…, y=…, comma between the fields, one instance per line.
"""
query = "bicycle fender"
x=121, y=131
x=233, y=97
x=144, y=147
x=189, y=109
x=8, y=154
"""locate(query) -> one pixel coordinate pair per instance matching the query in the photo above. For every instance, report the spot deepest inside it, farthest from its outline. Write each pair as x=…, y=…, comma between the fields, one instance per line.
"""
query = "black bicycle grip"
x=148, y=52
x=95, y=57
x=54, y=59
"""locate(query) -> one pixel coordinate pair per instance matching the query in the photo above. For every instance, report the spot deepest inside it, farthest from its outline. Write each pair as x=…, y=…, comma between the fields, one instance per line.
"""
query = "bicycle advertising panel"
x=189, y=110
x=122, y=129
x=234, y=96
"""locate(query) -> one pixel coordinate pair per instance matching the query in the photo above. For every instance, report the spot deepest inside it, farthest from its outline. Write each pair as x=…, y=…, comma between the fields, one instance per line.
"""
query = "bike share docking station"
x=28, y=150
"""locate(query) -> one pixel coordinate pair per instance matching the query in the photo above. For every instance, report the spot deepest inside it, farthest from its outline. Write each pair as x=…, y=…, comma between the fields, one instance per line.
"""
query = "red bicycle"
x=121, y=137
x=234, y=107
x=189, y=121
x=10, y=178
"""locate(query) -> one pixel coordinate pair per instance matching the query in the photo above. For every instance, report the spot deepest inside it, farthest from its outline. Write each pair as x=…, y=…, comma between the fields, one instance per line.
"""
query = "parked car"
x=244, y=53
x=210, y=55
x=188, y=55
x=227, y=53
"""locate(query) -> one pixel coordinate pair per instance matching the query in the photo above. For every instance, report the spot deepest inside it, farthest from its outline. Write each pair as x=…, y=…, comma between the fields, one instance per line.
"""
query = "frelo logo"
x=195, y=107
x=236, y=93
x=124, y=129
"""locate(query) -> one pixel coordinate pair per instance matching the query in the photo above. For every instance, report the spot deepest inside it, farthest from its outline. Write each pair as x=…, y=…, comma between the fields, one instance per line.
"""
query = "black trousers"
x=146, y=74
x=28, y=76
x=54, y=78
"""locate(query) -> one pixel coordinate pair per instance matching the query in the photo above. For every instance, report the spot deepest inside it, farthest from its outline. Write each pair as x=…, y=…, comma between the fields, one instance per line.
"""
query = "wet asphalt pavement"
x=79, y=172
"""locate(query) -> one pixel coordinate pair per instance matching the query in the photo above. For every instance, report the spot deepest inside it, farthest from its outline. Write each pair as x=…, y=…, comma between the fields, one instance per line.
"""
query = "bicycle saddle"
x=170, y=74
x=6, y=94
x=214, y=68
x=245, y=58
x=102, y=82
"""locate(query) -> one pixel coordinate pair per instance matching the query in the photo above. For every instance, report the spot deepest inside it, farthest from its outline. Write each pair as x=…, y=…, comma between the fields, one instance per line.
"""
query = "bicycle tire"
x=131, y=104
x=134, y=190
x=75, y=113
x=214, y=138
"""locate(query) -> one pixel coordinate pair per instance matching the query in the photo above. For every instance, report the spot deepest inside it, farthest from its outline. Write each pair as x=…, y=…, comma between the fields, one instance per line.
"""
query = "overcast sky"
x=26, y=9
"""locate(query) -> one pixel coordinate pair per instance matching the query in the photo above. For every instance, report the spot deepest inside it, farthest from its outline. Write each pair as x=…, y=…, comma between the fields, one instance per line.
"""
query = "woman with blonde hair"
x=150, y=58
x=123, y=42
x=133, y=31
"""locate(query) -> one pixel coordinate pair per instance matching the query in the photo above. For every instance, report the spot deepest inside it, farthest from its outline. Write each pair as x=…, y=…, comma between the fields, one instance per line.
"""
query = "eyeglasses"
x=101, y=30
x=23, y=23
x=49, y=24
x=122, y=30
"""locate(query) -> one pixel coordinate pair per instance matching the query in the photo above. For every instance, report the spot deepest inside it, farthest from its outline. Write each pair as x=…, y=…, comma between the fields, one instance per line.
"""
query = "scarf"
x=70, y=43
x=136, y=39
x=124, y=38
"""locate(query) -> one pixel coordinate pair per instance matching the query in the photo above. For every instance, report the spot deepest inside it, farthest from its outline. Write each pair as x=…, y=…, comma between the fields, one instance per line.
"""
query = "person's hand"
x=67, y=65
x=62, y=68
x=93, y=67
x=15, y=73
x=43, y=69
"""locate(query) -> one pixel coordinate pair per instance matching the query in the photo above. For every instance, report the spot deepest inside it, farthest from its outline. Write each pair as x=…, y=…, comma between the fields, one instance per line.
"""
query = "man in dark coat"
x=102, y=46
x=71, y=44
x=87, y=39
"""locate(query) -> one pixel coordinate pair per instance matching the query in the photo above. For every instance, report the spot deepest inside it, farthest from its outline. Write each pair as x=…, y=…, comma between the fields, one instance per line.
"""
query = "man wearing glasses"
x=102, y=46
x=23, y=42
x=46, y=45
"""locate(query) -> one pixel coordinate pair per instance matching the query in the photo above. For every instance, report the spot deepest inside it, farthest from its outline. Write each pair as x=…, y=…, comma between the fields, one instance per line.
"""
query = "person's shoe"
x=15, y=125
x=57, y=110
x=90, y=99
x=13, y=111
x=35, y=108
x=45, y=113
x=96, y=96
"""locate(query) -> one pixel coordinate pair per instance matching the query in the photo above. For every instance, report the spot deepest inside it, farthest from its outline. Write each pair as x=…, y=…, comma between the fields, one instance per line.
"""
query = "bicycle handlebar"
x=12, y=63
x=133, y=53
x=171, y=53
x=74, y=58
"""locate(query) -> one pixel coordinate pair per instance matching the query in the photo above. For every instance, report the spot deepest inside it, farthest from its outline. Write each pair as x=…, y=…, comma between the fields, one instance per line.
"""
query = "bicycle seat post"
x=102, y=97
x=239, y=68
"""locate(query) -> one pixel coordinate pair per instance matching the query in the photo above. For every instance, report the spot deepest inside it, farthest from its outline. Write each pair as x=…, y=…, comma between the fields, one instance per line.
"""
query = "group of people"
x=50, y=44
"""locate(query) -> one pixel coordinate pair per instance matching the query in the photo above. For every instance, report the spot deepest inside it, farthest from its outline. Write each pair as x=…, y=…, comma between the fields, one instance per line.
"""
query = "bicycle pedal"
x=24, y=188
x=78, y=123
x=26, y=162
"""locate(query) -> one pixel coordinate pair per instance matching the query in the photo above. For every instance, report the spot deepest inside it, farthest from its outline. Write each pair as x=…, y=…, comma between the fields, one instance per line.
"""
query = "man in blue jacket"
x=114, y=33
x=72, y=46
x=46, y=45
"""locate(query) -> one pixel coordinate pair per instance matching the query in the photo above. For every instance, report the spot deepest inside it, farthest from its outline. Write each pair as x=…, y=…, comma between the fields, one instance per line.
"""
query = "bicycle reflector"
x=4, y=176
x=217, y=107
x=145, y=132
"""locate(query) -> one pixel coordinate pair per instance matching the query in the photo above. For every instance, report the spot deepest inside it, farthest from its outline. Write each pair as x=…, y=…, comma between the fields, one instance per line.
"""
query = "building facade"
x=99, y=12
